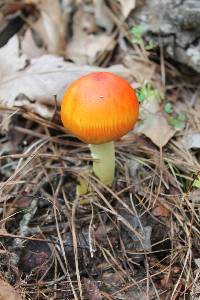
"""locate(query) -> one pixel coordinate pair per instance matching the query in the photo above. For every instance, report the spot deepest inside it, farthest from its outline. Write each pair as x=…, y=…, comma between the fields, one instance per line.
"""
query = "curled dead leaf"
x=159, y=210
x=142, y=70
x=157, y=129
x=92, y=290
x=191, y=140
x=154, y=124
x=166, y=282
x=50, y=25
x=87, y=44
x=102, y=16
x=127, y=6
x=8, y=292
x=87, y=49
x=33, y=85
x=29, y=47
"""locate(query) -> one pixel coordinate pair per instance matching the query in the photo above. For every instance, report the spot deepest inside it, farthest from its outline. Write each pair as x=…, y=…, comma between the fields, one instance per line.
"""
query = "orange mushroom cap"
x=99, y=107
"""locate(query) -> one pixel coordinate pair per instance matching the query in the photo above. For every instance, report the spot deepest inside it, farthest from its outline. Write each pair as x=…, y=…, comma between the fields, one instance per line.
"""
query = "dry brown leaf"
x=50, y=25
x=191, y=140
x=86, y=44
x=154, y=124
x=160, y=210
x=102, y=16
x=22, y=85
x=127, y=6
x=7, y=292
x=101, y=233
x=92, y=290
x=143, y=70
x=115, y=279
x=157, y=129
x=88, y=48
x=166, y=282
x=29, y=47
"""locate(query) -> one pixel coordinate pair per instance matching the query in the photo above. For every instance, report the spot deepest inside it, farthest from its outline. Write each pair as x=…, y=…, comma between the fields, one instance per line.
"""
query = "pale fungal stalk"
x=104, y=162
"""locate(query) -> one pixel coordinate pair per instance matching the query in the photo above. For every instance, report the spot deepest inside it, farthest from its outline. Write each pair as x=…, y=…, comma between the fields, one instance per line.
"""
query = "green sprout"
x=168, y=108
x=147, y=92
x=137, y=32
x=137, y=37
x=177, y=121
x=196, y=182
x=150, y=45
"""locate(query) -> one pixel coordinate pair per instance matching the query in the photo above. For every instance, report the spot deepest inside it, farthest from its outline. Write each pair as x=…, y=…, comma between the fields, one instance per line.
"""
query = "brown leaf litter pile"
x=138, y=240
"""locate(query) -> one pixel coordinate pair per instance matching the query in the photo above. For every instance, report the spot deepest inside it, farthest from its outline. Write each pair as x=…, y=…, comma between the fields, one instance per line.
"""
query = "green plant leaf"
x=177, y=122
x=150, y=45
x=147, y=92
x=168, y=108
x=137, y=31
x=196, y=183
x=137, y=34
x=181, y=117
x=140, y=96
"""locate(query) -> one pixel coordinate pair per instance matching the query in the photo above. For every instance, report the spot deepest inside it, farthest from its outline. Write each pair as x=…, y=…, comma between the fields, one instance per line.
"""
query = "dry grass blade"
x=73, y=226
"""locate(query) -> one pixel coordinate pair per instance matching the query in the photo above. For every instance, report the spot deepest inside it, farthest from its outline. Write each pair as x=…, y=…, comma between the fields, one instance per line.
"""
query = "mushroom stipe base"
x=104, y=162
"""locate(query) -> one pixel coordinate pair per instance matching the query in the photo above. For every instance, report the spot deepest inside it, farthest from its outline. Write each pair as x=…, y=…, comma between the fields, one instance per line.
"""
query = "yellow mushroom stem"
x=104, y=162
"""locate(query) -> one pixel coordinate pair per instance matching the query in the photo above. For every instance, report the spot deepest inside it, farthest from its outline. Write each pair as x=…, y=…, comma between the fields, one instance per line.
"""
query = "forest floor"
x=138, y=240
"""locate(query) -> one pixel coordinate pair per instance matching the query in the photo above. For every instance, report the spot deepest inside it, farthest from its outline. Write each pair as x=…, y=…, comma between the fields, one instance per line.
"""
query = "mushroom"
x=99, y=108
